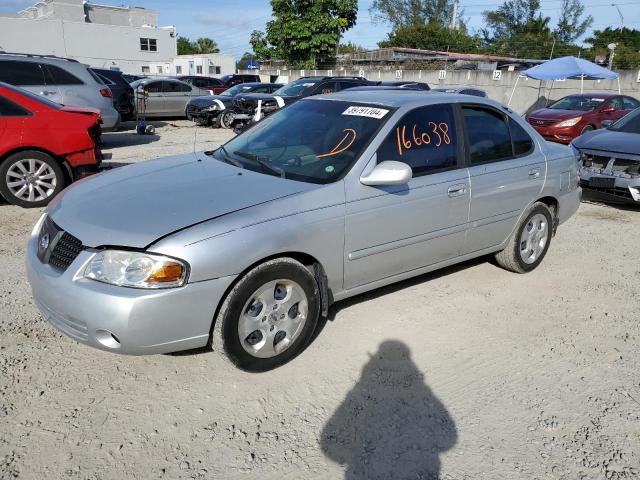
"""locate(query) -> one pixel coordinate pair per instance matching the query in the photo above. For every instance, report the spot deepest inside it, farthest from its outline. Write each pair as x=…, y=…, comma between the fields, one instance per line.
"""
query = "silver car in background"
x=247, y=246
x=166, y=97
x=60, y=80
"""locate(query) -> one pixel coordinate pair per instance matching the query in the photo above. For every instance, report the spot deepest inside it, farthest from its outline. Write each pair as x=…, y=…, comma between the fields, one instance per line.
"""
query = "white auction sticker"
x=366, y=112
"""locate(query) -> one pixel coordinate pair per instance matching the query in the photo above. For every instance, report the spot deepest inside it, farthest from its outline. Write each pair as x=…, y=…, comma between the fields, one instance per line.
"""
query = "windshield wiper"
x=226, y=157
x=260, y=161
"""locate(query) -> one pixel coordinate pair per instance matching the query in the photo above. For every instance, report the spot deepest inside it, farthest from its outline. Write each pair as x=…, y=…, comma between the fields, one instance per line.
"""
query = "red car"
x=574, y=115
x=43, y=146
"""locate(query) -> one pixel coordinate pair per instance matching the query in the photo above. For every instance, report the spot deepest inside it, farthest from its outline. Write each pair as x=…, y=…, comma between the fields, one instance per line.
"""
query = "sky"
x=230, y=22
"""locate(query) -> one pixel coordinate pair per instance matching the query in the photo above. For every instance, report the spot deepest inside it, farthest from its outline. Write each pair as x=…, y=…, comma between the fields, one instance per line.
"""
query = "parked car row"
x=61, y=80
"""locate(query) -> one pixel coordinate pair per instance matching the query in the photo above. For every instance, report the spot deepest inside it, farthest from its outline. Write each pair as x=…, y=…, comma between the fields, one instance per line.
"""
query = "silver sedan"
x=165, y=97
x=246, y=247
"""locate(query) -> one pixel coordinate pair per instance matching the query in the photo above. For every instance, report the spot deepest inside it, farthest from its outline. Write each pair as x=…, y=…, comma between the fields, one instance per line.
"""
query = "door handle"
x=534, y=173
x=456, y=190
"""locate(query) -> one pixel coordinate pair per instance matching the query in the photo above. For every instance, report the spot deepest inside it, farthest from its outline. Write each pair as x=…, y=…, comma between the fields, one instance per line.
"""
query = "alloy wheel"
x=534, y=238
x=31, y=180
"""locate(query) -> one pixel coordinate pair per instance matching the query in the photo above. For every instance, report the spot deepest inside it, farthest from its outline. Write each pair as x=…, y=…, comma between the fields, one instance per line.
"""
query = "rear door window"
x=11, y=109
x=22, y=74
x=154, y=87
x=425, y=139
x=60, y=76
x=630, y=103
x=492, y=136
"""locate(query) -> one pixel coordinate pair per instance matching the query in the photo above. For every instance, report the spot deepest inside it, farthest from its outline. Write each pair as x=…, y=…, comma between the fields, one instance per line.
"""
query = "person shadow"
x=390, y=425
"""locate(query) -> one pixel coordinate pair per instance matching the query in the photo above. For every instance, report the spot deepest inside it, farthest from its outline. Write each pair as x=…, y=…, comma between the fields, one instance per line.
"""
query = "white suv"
x=61, y=80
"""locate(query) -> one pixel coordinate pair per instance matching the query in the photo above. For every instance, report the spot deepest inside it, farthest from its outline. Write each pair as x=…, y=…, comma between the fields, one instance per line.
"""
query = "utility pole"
x=454, y=16
x=621, y=16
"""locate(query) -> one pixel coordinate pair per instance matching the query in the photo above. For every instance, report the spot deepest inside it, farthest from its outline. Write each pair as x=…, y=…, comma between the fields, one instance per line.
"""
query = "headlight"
x=211, y=108
x=270, y=108
x=569, y=123
x=136, y=269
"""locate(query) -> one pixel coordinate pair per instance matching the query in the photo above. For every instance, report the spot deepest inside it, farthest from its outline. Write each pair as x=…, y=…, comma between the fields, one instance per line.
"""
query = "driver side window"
x=425, y=139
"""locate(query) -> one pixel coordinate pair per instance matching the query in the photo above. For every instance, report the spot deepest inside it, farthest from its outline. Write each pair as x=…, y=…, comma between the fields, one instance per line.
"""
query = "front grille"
x=539, y=122
x=65, y=251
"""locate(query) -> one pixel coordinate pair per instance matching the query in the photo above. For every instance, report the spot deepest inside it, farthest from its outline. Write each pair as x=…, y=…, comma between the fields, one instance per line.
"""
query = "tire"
x=522, y=260
x=275, y=328
x=19, y=183
x=586, y=129
x=226, y=118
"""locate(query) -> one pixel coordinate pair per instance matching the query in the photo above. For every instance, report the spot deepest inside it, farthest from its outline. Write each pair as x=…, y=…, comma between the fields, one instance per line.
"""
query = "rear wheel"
x=226, y=118
x=269, y=316
x=30, y=178
x=530, y=242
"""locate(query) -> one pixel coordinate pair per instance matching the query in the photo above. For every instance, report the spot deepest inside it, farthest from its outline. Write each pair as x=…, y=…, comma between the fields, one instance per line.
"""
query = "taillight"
x=105, y=92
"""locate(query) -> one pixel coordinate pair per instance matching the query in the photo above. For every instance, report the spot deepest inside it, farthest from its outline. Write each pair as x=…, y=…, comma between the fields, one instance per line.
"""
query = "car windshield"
x=35, y=97
x=629, y=123
x=231, y=92
x=311, y=142
x=295, y=89
x=578, y=102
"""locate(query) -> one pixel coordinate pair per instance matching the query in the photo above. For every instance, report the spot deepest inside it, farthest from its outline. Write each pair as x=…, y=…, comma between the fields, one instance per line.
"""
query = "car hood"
x=208, y=100
x=134, y=206
x=609, y=141
x=553, y=114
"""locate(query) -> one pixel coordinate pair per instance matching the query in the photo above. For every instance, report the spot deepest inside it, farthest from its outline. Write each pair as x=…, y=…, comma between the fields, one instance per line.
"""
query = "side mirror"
x=388, y=172
x=607, y=123
x=608, y=110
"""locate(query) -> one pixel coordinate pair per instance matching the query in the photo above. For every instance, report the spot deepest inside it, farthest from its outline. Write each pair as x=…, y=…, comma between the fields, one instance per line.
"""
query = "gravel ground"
x=468, y=373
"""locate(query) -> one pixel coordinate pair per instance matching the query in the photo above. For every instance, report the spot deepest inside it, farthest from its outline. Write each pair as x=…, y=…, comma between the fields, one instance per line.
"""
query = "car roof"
x=404, y=98
x=591, y=95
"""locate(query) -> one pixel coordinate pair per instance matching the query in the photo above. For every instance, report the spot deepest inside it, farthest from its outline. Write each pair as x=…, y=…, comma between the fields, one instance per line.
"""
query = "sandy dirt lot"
x=468, y=373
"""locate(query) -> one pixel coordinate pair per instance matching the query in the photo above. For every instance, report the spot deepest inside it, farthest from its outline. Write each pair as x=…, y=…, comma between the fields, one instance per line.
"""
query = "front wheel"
x=30, y=179
x=226, y=118
x=586, y=129
x=530, y=242
x=269, y=316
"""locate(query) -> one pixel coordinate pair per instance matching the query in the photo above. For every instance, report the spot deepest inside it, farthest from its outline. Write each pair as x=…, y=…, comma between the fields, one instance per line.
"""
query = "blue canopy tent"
x=568, y=67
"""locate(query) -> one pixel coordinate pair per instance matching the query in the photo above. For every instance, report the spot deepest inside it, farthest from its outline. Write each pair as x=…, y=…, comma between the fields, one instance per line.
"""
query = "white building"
x=125, y=38
x=208, y=64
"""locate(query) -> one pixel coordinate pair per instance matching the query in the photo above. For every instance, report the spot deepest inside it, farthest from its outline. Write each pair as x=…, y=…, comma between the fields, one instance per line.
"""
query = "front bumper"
x=559, y=135
x=122, y=320
x=610, y=188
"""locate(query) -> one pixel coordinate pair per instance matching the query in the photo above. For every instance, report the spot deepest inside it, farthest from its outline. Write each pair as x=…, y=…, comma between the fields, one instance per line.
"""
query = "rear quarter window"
x=59, y=76
x=9, y=108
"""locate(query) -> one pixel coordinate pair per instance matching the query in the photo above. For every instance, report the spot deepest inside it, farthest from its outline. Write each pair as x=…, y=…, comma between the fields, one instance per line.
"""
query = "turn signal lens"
x=136, y=269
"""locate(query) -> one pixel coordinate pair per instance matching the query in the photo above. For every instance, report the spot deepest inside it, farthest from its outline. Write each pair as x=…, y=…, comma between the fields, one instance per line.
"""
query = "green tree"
x=433, y=36
x=305, y=33
x=245, y=60
x=349, y=47
x=571, y=24
x=510, y=19
x=406, y=13
x=185, y=47
x=205, y=45
x=627, y=49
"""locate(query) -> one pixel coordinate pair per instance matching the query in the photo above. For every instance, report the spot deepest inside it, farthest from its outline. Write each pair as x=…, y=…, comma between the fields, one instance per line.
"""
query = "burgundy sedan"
x=574, y=115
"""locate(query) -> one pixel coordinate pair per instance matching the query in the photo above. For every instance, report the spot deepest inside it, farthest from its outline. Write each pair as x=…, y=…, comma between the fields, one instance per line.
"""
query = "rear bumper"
x=110, y=119
x=568, y=205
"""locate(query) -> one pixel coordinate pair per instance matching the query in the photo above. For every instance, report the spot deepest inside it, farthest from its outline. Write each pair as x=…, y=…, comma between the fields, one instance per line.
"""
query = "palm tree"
x=206, y=45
